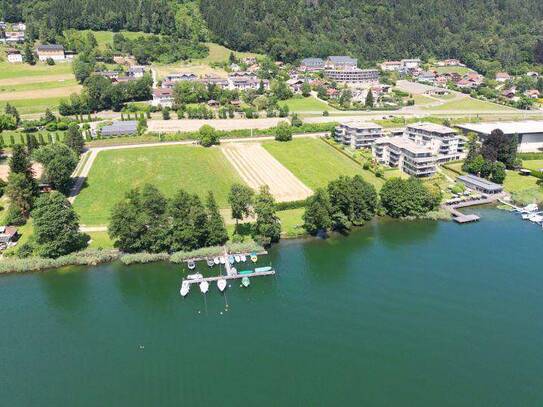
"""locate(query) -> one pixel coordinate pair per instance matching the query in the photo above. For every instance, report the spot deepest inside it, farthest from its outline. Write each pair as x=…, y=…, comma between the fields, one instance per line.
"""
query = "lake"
x=396, y=314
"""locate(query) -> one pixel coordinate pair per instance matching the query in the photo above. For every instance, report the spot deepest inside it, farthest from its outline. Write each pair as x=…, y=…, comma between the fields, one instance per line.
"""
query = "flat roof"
x=122, y=125
x=435, y=128
x=358, y=124
x=480, y=182
x=521, y=127
x=405, y=143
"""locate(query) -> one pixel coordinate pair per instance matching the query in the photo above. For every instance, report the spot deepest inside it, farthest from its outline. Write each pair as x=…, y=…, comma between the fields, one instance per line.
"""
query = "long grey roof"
x=342, y=59
x=481, y=182
x=312, y=61
x=122, y=126
x=50, y=47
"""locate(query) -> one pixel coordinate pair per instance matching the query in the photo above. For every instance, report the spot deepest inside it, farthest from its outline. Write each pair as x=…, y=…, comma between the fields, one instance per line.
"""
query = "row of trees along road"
x=351, y=201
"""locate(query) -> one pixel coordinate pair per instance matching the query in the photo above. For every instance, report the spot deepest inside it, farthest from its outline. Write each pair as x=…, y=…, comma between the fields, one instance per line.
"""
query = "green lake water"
x=397, y=314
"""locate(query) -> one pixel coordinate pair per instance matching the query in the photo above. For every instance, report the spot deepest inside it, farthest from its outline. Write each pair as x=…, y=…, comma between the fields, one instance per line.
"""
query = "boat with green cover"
x=245, y=272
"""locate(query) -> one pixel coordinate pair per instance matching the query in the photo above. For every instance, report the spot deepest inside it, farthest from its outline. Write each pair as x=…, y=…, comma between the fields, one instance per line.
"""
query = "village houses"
x=52, y=51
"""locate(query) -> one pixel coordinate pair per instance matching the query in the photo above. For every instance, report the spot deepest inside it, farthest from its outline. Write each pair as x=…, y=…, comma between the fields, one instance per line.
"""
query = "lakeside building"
x=122, y=128
x=14, y=56
x=312, y=64
x=353, y=75
x=162, y=97
x=445, y=143
x=480, y=184
x=53, y=51
x=411, y=158
x=358, y=134
x=529, y=132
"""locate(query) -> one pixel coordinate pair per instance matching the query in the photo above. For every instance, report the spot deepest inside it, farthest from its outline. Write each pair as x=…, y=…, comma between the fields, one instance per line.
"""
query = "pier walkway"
x=462, y=218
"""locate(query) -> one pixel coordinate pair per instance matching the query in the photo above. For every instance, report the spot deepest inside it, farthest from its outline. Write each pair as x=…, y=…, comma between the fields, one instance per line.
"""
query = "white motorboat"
x=222, y=260
x=210, y=262
x=536, y=218
x=529, y=209
x=216, y=260
x=185, y=287
x=221, y=284
x=243, y=258
x=191, y=265
x=204, y=286
x=196, y=276
x=237, y=258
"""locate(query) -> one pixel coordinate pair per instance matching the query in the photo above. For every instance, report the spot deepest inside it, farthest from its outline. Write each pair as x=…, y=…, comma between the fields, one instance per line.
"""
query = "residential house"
x=111, y=75
x=353, y=75
x=411, y=63
x=450, y=62
x=502, y=77
x=245, y=82
x=215, y=80
x=13, y=37
x=181, y=76
x=14, y=56
x=532, y=93
x=312, y=64
x=509, y=93
x=20, y=26
x=8, y=236
x=414, y=159
x=426, y=76
x=358, y=134
x=136, y=71
x=53, y=51
x=465, y=84
x=296, y=84
x=340, y=62
x=532, y=74
x=332, y=93
x=163, y=97
x=391, y=66
x=444, y=142
x=249, y=60
x=3, y=25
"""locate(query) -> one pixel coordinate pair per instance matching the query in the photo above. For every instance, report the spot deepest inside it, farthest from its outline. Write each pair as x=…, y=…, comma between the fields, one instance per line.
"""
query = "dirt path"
x=257, y=167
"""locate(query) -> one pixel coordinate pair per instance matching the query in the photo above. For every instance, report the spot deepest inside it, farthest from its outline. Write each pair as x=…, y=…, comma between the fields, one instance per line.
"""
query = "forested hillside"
x=486, y=34
x=476, y=31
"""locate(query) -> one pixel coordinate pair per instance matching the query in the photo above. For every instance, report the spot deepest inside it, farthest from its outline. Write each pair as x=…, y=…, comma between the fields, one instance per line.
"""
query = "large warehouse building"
x=530, y=132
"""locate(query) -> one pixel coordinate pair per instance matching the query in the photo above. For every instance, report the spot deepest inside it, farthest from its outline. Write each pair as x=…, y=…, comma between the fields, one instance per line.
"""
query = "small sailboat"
x=243, y=258
x=231, y=259
x=233, y=270
x=237, y=258
x=196, y=276
x=210, y=262
x=245, y=282
x=204, y=286
x=216, y=260
x=191, y=265
x=221, y=284
x=222, y=260
x=185, y=287
x=254, y=258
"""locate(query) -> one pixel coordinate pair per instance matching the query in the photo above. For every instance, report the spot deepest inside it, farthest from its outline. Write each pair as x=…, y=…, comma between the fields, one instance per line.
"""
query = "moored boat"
x=254, y=257
x=221, y=284
x=237, y=258
x=243, y=258
x=231, y=259
x=263, y=269
x=222, y=260
x=210, y=262
x=204, y=286
x=245, y=281
x=216, y=260
x=185, y=287
x=191, y=265
x=196, y=276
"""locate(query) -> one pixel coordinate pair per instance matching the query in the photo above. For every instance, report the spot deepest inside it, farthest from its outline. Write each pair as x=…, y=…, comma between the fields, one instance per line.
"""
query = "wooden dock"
x=462, y=218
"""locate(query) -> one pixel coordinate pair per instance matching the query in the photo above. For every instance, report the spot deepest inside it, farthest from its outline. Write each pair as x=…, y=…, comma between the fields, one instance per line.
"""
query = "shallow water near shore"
x=399, y=313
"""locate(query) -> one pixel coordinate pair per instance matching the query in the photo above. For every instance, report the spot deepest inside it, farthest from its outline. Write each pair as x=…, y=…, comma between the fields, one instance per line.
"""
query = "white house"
x=162, y=97
x=53, y=51
x=14, y=56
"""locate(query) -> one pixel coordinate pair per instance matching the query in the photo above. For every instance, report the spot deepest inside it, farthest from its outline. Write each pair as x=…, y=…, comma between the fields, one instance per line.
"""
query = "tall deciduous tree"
x=240, y=199
x=268, y=226
x=318, y=213
x=74, y=139
x=217, y=234
x=59, y=162
x=56, y=227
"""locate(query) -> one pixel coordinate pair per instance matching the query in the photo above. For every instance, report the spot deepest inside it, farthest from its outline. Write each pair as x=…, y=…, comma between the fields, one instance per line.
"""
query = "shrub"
x=50, y=61
x=142, y=258
x=283, y=132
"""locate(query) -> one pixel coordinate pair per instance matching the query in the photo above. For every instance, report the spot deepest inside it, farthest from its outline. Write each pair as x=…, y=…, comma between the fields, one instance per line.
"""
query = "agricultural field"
x=105, y=38
x=308, y=104
x=32, y=89
x=423, y=100
x=470, y=105
x=316, y=163
x=169, y=168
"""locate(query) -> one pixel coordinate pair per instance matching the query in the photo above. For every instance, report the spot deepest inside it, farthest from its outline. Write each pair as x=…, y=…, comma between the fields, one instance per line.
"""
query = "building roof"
x=121, y=127
x=312, y=61
x=342, y=59
x=50, y=47
x=523, y=127
x=358, y=124
x=434, y=128
x=480, y=182
x=404, y=143
x=162, y=92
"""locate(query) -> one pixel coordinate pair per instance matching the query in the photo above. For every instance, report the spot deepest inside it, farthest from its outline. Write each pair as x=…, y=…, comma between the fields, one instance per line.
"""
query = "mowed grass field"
x=308, y=104
x=470, y=105
x=461, y=70
x=316, y=163
x=532, y=164
x=170, y=168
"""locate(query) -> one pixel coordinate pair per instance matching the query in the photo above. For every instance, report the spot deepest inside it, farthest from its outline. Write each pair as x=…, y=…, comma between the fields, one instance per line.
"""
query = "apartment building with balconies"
x=358, y=134
x=414, y=159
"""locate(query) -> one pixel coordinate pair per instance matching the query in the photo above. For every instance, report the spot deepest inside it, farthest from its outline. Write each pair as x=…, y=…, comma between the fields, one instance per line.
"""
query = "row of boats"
x=532, y=213
x=232, y=259
x=204, y=285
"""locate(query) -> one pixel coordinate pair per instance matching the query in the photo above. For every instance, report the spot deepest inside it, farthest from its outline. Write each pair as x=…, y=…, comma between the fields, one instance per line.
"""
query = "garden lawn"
x=12, y=71
x=38, y=105
x=470, y=105
x=461, y=70
x=532, y=164
x=170, y=168
x=308, y=104
x=292, y=222
x=316, y=163
x=100, y=240
x=524, y=189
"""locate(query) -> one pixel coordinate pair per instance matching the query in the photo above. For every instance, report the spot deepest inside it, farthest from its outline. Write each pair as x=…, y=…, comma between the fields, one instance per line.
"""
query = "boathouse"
x=480, y=184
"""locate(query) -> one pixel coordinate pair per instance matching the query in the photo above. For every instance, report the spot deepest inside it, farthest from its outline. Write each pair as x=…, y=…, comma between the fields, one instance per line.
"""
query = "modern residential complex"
x=353, y=75
x=529, y=132
x=411, y=158
x=445, y=143
x=358, y=134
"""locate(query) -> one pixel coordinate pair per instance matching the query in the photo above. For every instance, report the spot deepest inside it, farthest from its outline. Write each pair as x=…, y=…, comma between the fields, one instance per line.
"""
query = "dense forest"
x=486, y=34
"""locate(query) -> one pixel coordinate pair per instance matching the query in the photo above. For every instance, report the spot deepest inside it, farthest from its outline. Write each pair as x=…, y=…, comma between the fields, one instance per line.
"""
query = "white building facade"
x=411, y=158
x=358, y=134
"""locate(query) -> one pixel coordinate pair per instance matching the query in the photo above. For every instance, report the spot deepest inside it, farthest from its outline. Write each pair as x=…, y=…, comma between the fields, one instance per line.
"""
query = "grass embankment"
x=169, y=168
x=316, y=163
x=309, y=104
